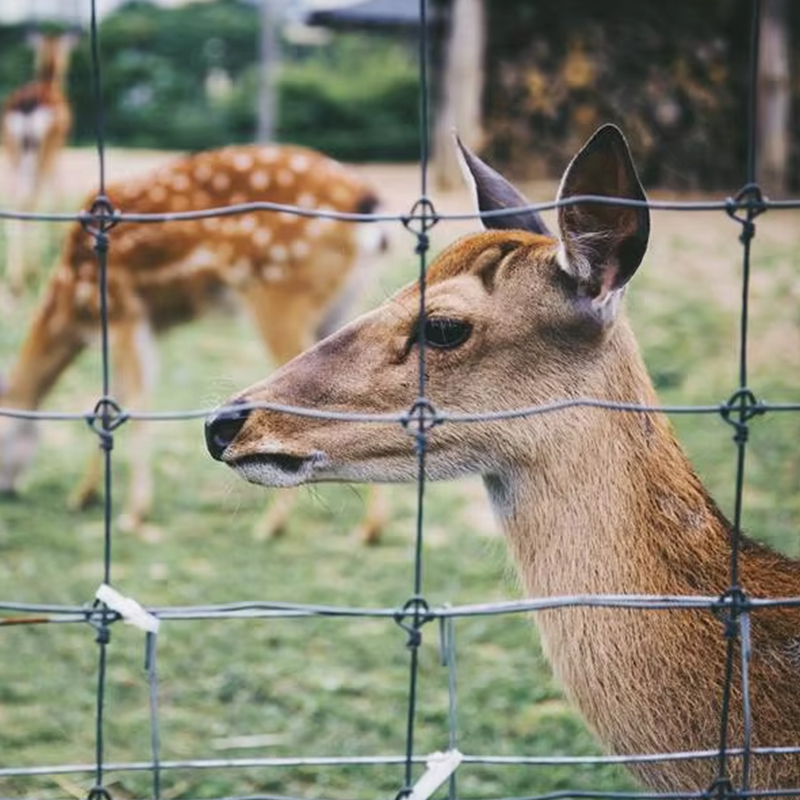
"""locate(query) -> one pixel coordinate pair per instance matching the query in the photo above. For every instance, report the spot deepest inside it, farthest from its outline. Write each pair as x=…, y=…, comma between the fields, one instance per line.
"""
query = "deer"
x=297, y=276
x=34, y=125
x=590, y=500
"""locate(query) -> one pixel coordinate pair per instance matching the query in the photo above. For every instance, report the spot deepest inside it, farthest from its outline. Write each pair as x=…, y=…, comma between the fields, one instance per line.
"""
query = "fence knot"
x=105, y=418
x=98, y=220
x=98, y=793
x=744, y=403
x=730, y=606
x=421, y=418
x=99, y=618
x=422, y=217
x=417, y=609
x=721, y=789
x=750, y=199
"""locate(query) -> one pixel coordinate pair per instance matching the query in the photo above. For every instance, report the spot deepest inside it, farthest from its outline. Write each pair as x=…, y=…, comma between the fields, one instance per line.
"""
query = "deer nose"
x=223, y=427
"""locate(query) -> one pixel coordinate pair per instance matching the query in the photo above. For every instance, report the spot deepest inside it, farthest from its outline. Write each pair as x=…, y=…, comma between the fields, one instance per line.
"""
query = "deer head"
x=514, y=317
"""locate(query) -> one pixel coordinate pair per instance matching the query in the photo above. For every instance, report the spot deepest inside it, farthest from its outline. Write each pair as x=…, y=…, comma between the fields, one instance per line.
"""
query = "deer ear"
x=602, y=245
x=493, y=192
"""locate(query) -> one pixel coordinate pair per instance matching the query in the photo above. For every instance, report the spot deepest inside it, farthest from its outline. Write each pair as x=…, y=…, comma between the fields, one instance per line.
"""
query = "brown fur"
x=592, y=501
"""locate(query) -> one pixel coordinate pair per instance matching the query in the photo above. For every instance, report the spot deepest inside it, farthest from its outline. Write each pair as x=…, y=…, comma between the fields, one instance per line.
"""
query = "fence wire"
x=734, y=606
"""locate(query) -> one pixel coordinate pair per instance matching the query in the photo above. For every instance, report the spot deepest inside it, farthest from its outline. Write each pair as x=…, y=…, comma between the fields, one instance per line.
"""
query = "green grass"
x=337, y=687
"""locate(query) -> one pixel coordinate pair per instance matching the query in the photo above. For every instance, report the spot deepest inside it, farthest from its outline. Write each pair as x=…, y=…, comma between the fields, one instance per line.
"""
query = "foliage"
x=187, y=78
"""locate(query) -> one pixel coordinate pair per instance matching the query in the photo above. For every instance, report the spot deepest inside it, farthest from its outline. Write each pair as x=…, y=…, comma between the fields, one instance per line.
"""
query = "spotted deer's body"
x=295, y=275
x=592, y=501
x=35, y=123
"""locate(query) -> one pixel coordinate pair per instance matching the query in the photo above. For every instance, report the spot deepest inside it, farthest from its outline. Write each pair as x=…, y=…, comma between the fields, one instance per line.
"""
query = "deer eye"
x=444, y=333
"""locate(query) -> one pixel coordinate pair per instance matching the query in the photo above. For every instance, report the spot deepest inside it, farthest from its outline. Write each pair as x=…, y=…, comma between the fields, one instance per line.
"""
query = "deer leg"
x=376, y=515
x=15, y=255
x=87, y=492
x=135, y=362
x=134, y=368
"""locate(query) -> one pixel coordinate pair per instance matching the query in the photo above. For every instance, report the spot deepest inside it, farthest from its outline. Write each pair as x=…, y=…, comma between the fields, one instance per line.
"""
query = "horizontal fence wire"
x=415, y=613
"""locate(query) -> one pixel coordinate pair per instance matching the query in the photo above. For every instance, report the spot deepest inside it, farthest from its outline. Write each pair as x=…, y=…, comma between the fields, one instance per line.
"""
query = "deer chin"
x=279, y=469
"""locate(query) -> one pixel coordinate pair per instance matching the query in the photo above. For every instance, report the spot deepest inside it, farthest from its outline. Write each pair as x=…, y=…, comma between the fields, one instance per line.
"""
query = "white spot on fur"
x=242, y=162
x=306, y=200
x=201, y=258
x=278, y=252
x=262, y=237
x=285, y=177
x=203, y=172
x=299, y=162
x=317, y=227
x=221, y=182
x=84, y=291
x=247, y=223
x=259, y=180
x=180, y=183
x=268, y=154
x=300, y=248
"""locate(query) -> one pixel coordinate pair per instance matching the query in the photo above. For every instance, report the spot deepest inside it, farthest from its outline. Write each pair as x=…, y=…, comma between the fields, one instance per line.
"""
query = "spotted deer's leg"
x=87, y=492
x=136, y=363
x=15, y=255
x=15, y=233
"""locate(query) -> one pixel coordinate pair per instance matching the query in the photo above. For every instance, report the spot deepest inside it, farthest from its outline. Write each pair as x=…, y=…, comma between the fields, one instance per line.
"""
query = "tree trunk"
x=461, y=89
x=269, y=58
x=774, y=97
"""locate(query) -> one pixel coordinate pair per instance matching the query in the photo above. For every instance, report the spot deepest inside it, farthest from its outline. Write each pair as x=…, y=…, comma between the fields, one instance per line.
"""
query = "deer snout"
x=223, y=427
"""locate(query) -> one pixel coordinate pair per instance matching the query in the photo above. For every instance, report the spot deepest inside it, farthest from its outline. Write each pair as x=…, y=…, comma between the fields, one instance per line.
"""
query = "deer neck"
x=611, y=505
x=614, y=507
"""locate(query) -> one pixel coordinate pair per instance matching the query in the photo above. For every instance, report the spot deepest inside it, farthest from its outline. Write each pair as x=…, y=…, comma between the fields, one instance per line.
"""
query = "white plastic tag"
x=130, y=611
x=440, y=767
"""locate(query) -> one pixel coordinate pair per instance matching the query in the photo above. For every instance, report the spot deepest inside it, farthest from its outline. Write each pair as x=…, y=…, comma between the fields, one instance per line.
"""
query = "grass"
x=340, y=687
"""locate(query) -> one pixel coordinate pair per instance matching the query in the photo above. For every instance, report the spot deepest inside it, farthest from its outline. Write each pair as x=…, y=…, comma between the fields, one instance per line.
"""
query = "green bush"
x=355, y=98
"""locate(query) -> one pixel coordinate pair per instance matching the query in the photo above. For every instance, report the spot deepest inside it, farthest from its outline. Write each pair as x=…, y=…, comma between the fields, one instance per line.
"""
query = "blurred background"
x=525, y=81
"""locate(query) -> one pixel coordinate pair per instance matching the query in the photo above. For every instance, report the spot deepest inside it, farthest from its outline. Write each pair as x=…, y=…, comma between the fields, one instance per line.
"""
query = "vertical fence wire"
x=417, y=603
x=99, y=229
x=736, y=623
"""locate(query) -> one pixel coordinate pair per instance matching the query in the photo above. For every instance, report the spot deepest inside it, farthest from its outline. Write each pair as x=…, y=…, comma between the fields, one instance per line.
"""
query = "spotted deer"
x=591, y=501
x=35, y=123
x=297, y=276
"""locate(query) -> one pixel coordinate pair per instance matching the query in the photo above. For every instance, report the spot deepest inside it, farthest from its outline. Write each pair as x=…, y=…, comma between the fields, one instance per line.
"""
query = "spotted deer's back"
x=177, y=266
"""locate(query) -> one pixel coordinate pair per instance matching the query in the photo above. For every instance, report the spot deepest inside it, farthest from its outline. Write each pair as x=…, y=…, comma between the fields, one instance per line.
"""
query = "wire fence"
x=734, y=606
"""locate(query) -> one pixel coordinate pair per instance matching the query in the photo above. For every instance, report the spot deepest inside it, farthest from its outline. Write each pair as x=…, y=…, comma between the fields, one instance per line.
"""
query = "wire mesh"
x=415, y=615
